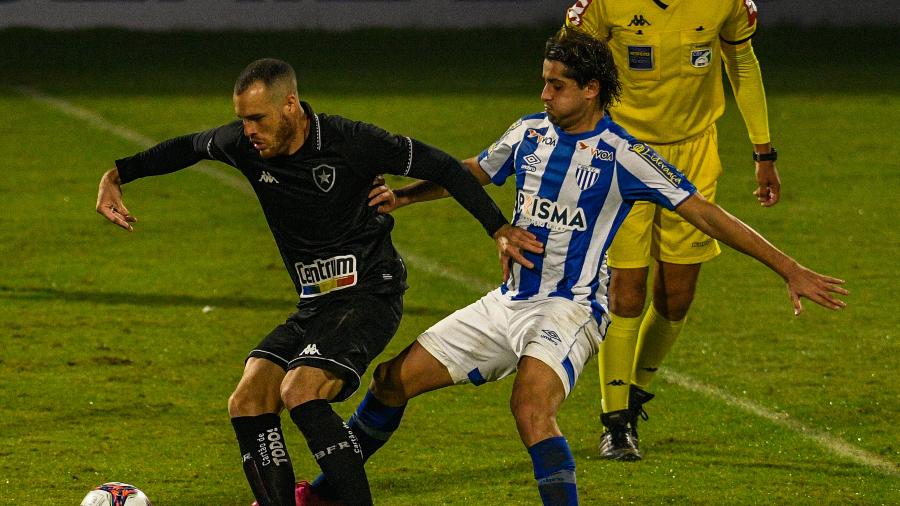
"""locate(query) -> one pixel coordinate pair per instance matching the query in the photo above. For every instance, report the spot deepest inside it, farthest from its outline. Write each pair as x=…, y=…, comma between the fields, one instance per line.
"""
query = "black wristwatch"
x=771, y=156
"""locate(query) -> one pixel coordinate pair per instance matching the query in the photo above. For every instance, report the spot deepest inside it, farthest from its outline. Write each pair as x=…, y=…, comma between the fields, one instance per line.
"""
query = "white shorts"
x=485, y=340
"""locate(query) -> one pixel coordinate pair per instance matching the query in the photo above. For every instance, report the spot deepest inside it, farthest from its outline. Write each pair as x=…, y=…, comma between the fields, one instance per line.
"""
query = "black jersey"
x=316, y=200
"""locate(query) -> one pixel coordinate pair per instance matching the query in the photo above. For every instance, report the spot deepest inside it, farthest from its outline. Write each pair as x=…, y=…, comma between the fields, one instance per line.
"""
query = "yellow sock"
x=656, y=337
x=616, y=357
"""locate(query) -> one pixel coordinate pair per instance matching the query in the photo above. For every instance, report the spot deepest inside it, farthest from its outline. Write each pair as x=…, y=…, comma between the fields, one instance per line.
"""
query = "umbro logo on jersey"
x=551, y=336
x=311, y=349
x=266, y=177
x=639, y=20
x=324, y=175
x=617, y=383
x=531, y=160
x=541, y=138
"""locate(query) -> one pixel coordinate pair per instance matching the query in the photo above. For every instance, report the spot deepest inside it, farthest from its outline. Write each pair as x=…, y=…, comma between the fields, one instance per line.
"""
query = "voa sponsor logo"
x=598, y=154
x=540, y=138
x=548, y=213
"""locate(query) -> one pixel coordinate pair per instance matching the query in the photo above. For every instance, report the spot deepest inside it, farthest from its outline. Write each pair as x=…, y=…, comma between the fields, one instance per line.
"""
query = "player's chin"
x=552, y=117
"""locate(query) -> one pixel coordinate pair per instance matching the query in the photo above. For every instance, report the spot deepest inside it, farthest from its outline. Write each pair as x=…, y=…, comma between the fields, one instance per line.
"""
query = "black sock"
x=336, y=450
x=265, y=459
x=373, y=424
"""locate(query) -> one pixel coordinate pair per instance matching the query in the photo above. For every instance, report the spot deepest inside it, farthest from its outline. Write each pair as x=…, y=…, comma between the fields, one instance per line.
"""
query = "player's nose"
x=545, y=93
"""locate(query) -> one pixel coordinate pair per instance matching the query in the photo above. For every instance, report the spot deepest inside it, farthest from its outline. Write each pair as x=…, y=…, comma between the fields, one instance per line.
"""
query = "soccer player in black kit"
x=313, y=174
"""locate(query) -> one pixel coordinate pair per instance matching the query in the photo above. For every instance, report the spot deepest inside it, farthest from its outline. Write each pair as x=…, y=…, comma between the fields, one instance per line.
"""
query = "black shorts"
x=340, y=334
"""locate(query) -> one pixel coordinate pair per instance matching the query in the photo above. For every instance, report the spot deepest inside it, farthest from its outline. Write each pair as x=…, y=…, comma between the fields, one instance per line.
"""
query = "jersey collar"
x=314, y=139
x=601, y=125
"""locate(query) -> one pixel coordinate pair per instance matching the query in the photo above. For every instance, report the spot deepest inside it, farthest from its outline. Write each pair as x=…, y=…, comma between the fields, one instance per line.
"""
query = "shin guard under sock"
x=373, y=423
x=554, y=470
x=335, y=449
x=266, y=462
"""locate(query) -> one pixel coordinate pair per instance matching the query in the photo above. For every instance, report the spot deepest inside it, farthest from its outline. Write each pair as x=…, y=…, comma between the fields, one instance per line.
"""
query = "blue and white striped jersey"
x=572, y=192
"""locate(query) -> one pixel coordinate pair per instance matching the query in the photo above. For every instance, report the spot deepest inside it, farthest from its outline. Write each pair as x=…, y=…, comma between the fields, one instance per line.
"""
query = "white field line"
x=823, y=439
x=100, y=123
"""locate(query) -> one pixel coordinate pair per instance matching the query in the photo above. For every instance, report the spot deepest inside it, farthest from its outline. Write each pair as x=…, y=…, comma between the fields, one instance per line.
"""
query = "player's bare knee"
x=530, y=409
x=628, y=302
x=673, y=305
x=243, y=402
x=234, y=405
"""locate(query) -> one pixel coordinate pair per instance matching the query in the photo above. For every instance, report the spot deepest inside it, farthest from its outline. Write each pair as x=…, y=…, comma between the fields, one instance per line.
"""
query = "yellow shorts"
x=650, y=231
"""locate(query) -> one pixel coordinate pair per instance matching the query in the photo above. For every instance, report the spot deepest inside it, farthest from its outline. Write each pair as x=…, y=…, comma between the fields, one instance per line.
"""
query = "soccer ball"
x=116, y=494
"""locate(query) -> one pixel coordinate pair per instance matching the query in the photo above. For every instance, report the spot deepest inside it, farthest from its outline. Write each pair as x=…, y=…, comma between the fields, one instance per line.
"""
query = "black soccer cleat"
x=618, y=442
x=636, y=400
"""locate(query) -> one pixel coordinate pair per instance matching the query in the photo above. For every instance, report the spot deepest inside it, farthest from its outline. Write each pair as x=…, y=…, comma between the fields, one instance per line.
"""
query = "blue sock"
x=372, y=424
x=554, y=470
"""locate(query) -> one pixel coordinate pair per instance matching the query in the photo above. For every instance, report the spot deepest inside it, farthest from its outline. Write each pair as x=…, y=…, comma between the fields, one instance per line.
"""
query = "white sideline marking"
x=829, y=442
x=101, y=123
x=825, y=440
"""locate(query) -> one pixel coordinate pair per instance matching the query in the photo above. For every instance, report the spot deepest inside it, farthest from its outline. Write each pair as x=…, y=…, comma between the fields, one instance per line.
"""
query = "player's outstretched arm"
x=511, y=241
x=802, y=282
x=109, y=201
x=388, y=199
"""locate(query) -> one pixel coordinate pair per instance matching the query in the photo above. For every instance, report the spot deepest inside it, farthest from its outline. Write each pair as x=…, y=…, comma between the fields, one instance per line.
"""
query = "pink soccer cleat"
x=304, y=496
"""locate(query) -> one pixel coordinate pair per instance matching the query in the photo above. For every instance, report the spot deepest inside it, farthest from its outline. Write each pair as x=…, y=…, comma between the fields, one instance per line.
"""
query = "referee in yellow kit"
x=670, y=56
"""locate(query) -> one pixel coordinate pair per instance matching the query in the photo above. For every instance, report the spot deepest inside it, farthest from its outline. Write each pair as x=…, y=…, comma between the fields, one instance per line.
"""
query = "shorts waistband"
x=710, y=130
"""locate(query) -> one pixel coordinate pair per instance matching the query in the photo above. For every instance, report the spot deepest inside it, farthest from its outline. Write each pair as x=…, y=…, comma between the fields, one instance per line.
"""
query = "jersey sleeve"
x=178, y=153
x=378, y=151
x=498, y=160
x=400, y=155
x=587, y=16
x=741, y=23
x=642, y=174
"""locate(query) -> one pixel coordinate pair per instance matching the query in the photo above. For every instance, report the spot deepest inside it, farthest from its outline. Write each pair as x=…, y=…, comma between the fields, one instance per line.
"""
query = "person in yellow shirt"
x=670, y=56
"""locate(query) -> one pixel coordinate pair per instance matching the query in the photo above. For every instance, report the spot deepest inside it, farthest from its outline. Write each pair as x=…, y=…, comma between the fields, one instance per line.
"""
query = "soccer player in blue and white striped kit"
x=576, y=174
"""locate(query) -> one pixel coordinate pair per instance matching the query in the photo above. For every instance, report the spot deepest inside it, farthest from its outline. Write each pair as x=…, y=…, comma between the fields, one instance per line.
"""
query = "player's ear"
x=291, y=103
x=591, y=89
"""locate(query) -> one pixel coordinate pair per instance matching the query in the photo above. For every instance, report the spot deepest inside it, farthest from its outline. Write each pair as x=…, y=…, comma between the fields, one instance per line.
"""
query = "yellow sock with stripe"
x=656, y=338
x=616, y=357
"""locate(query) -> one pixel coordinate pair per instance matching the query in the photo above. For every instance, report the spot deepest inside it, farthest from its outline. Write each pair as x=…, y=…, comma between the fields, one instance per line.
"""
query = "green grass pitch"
x=110, y=369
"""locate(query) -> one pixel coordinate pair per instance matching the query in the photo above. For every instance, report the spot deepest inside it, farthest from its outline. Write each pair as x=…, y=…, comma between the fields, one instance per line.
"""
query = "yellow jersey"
x=668, y=53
